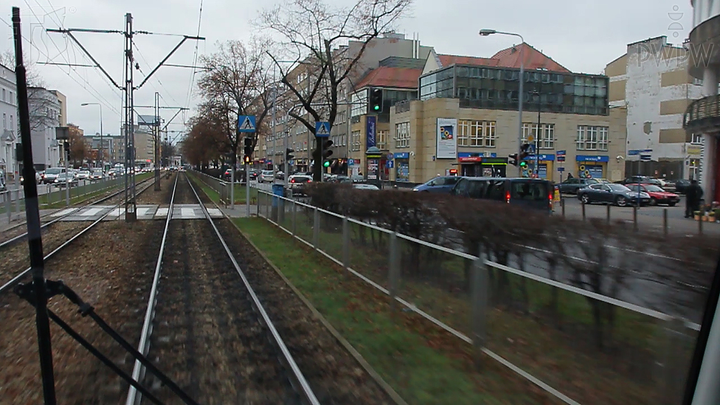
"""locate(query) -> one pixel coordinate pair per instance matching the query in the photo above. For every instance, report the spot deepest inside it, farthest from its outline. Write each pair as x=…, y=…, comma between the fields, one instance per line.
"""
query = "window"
x=12, y=99
x=402, y=135
x=476, y=133
x=359, y=106
x=382, y=137
x=546, y=139
x=356, y=141
x=592, y=138
x=696, y=139
x=12, y=127
x=4, y=121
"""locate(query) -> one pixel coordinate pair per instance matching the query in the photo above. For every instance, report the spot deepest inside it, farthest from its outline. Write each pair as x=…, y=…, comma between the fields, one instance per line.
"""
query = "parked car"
x=442, y=184
x=297, y=183
x=657, y=194
x=266, y=176
x=611, y=194
x=573, y=184
x=682, y=185
x=531, y=193
x=97, y=174
x=365, y=186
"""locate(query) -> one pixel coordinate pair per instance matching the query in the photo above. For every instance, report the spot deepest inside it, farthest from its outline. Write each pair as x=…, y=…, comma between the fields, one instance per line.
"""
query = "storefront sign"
x=694, y=150
x=446, y=138
x=371, y=130
x=588, y=158
x=402, y=155
x=470, y=159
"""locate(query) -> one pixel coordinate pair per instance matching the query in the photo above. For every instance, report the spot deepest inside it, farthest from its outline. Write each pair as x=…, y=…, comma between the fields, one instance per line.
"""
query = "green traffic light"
x=523, y=164
x=377, y=108
x=326, y=164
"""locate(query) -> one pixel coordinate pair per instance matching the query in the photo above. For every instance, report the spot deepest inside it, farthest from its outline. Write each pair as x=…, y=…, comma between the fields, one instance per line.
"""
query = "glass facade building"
x=497, y=88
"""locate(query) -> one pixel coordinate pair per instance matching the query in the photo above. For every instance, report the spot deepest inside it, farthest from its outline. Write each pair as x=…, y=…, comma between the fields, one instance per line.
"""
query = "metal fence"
x=221, y=187
x=12, y=202
x=579, y=346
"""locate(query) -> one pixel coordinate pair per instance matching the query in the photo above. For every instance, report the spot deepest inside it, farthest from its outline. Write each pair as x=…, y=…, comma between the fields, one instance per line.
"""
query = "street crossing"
x=143, y=212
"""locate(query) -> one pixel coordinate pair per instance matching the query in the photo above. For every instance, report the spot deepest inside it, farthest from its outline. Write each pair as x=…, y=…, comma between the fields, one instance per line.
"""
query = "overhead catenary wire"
x=195, y=59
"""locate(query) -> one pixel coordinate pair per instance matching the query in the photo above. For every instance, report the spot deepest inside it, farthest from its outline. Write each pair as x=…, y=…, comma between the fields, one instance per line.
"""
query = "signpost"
x=322, y=130
x=246, y=124
x=560, y=157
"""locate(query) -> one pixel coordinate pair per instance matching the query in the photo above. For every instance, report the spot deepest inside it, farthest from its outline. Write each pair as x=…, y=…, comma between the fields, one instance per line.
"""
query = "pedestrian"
x=693, y=194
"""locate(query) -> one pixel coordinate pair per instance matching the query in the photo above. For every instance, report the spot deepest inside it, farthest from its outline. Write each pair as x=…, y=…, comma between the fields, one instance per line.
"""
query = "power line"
x=195, y=58
x=158, y=80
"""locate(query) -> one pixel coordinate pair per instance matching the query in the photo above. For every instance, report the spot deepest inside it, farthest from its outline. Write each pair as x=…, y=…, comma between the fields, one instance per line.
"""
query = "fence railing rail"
x=467, y=276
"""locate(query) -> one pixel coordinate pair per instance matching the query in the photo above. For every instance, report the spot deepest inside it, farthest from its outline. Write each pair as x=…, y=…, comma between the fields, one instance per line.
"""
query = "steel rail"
x=25, y=272
x=147, y=329
x=103, y=199
x=300, y=383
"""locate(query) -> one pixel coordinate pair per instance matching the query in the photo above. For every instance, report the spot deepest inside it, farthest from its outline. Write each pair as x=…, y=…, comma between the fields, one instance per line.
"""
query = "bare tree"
x=236, y=84
x=316, y=35
x=78, y=148
x=207, y=137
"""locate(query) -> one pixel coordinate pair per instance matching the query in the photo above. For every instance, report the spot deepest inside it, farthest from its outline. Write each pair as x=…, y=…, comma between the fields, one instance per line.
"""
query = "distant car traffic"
x=266, y=176
x=573, y=184
x=531, y=193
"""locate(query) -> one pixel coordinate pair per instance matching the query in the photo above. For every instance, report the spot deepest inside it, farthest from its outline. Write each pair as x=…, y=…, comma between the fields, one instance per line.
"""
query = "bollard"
x=608, y=214
x=562, y=205
x=635, y=218
x=316, y=228
x=700, y=225
x=665, y=222
x=583, y=211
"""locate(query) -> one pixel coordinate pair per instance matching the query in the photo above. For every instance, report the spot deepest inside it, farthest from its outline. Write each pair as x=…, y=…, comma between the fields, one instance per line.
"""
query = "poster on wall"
x=371, y=131
x=446, y=138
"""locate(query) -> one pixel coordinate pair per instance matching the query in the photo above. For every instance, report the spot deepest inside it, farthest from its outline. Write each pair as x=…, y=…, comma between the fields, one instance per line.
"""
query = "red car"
x=657, y=194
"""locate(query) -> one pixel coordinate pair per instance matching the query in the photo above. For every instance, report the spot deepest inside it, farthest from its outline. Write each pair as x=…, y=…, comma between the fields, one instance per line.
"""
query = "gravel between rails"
x=16, y=257
x=110, y=267
x=334, y=375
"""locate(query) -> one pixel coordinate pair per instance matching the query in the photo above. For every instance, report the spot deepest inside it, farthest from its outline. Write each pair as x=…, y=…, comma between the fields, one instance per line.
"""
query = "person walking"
x=693, y=195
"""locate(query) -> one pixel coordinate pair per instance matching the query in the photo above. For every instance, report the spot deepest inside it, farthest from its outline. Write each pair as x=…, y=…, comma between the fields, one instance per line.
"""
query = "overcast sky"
x=581, y=35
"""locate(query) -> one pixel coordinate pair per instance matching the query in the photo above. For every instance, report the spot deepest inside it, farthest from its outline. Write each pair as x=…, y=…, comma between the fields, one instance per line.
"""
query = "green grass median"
x=422, y=363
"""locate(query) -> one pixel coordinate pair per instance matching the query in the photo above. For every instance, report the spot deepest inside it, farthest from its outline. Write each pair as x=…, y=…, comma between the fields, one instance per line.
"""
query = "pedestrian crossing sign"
x=322, y=129
x=246, y=123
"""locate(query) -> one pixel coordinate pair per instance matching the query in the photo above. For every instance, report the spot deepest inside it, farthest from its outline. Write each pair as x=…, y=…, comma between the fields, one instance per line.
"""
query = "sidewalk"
x=240, y=211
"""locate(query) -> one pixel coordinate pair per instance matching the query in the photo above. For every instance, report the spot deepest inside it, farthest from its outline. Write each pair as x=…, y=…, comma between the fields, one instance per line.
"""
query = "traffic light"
x=66, y=146
x=376, y=100
x=248, y=150
x=327, y=152
x=512, y=159
x=523, y=164
x=288, y=154
x=524, y=151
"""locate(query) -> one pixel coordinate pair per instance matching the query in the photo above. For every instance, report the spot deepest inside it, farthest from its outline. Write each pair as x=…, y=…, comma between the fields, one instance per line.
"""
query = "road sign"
x=561, y=169
x=246, y=123
x=560, y=153
x=322, y=129
x=389, y=164
x=530, y=138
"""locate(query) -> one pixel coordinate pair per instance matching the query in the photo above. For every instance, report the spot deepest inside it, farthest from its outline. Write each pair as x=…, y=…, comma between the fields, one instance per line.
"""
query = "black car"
x=682, y=185
x=611, y=194
x=531, y=193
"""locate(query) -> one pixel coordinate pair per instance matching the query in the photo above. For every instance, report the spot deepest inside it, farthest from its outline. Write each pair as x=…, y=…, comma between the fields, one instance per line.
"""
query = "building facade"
x=44, y=120
x=702, y=118
x=651, y=79
x=10, y=134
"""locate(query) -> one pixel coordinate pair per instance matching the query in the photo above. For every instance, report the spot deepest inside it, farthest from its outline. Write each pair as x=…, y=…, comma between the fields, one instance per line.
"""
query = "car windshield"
x=52, y=171
x=654, y=189
x=618, y=187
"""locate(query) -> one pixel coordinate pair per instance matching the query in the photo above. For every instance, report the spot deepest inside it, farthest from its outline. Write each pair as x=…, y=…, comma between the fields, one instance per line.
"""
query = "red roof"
x=386, y=76
x=448, y=60
x=534, y=59
x=509, y=57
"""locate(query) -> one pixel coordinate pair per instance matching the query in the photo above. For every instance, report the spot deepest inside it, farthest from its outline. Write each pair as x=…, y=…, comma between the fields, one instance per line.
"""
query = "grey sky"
x=581, y=35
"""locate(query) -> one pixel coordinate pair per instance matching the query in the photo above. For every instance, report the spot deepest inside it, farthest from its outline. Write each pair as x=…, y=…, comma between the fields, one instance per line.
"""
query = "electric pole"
x=128, y=88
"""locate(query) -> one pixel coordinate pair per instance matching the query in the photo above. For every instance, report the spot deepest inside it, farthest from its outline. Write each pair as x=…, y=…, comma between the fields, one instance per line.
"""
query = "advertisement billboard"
x=446, y=138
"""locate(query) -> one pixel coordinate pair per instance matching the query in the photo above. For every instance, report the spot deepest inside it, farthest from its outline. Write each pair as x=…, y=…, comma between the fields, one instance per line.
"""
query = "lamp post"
x=521, y=79
x=100, y=149
x=537, y=136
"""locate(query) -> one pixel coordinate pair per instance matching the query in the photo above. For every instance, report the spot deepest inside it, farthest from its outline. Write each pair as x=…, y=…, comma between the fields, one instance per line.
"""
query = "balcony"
x=703, y=115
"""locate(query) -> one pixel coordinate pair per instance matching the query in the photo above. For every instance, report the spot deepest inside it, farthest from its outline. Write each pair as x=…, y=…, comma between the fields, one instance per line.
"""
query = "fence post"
x=8, y=205
x=345, y=243
x=17, y=201
x=394, y=269
x=583, y=211
x=700, y=225
x=635, y=218
x=665, y=222
x=479, y=301
x=562, y=205
x=316, y=227
x=292, y=215
x=608, y=214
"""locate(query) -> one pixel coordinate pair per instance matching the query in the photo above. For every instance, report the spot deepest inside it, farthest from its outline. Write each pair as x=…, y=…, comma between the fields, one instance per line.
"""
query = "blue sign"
x=633, y=152
x=322, y=129
x=389, y=164
x=402, y=155
x=246, y=123
x=474, y=154
x=371, y=131
x=587, y=158
x=561, y=169
x=542, y=158
x=560, y=153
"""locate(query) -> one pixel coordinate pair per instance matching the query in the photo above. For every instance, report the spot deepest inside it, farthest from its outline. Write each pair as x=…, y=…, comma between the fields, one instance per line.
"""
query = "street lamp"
x=100, y=149
x=487, y=32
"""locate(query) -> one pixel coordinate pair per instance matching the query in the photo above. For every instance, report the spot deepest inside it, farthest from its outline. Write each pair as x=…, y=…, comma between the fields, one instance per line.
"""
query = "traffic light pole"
x=286, y=135
x=247, y=190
